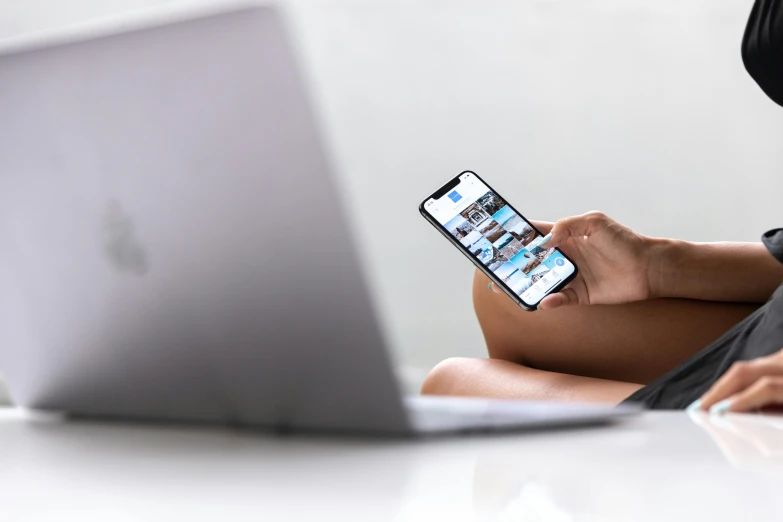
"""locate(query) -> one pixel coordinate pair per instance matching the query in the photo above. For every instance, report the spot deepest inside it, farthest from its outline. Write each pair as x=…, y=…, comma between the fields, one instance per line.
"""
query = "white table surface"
x=660, y=466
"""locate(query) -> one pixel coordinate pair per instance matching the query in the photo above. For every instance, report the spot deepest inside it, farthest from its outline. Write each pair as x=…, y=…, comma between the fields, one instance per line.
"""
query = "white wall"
x=641, y=109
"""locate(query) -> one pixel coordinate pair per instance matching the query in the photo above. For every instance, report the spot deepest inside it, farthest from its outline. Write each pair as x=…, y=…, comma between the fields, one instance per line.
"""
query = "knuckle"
x=739, y=369
x=560, y=227
x=597, y=215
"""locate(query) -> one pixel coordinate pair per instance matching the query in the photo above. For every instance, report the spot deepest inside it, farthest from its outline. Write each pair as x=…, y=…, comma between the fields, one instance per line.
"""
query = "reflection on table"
x=748, y=441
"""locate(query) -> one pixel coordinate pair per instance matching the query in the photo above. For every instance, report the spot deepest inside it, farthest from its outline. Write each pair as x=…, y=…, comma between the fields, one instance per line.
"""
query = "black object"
x=762, y=47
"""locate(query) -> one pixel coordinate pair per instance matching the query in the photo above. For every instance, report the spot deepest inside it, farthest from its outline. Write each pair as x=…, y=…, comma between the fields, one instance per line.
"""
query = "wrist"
x=665, y=259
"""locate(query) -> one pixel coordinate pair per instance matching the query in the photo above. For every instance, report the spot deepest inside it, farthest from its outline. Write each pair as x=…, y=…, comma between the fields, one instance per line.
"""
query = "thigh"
x=506, y=380
x=635, y=342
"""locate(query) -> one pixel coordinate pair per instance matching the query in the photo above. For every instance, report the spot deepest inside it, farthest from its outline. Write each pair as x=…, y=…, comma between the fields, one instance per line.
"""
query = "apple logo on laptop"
x=120, y=243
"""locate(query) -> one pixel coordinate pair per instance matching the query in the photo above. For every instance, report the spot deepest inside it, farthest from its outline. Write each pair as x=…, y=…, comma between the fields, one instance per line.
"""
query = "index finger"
x=739, y=377
x=577, y=226
x=545, y=227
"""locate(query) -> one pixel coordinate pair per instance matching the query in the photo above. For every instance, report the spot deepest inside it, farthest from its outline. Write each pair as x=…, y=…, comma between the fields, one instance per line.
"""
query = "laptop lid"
x=174, y=245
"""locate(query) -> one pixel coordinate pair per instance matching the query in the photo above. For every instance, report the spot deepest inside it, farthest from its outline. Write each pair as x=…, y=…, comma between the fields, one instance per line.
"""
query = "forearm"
x=729, y=272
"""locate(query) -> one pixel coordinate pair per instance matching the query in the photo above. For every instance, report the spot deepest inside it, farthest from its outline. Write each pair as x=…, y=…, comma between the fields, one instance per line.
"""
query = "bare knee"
x=446, y=376
x=460, y=376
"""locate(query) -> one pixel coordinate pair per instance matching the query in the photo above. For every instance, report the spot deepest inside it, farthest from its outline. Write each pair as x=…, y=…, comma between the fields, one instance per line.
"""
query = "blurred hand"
x=747, y=386
x=613, y=261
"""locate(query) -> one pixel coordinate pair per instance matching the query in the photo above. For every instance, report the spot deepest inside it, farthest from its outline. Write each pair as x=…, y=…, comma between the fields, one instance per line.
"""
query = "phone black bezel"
x=516, y=298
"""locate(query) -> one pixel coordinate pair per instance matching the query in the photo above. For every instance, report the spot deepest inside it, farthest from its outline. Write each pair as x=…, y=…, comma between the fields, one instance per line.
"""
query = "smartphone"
x=498, y=239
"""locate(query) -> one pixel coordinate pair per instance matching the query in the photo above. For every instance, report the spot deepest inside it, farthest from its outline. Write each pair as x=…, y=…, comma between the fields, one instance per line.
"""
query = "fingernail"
x=721, y=408
x=489, y=286
x=546, y=239
x=695, y=406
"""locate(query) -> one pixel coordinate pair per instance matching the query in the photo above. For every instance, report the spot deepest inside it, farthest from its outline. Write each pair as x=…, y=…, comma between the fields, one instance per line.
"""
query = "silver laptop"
x=173, y=246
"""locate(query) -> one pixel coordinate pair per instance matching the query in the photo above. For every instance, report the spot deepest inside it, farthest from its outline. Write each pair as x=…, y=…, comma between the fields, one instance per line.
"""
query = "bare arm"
x=618, y=265
x=729, y=272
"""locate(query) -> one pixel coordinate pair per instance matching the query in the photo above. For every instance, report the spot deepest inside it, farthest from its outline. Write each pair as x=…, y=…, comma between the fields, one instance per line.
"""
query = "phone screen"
x=499, y=238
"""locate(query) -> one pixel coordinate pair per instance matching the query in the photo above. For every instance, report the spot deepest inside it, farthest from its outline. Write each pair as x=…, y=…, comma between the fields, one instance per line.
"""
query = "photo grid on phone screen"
x=504, y=242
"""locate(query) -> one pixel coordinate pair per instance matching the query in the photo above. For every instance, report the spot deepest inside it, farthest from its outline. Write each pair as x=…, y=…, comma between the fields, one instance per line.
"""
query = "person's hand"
x=613, y=261
x=746, y=386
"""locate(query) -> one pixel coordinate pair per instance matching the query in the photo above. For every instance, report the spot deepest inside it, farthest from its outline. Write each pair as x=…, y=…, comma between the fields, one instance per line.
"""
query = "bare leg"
x=506, y=380
x=636, y=342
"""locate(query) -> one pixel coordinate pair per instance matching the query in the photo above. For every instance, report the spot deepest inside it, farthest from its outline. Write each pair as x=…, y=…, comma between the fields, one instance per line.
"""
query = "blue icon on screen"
x=454, y=196
x=559, y=262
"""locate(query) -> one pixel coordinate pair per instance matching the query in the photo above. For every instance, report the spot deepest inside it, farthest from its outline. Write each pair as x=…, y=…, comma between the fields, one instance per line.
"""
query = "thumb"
x=495, y=288
x=565, y=297
x=577, y=226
